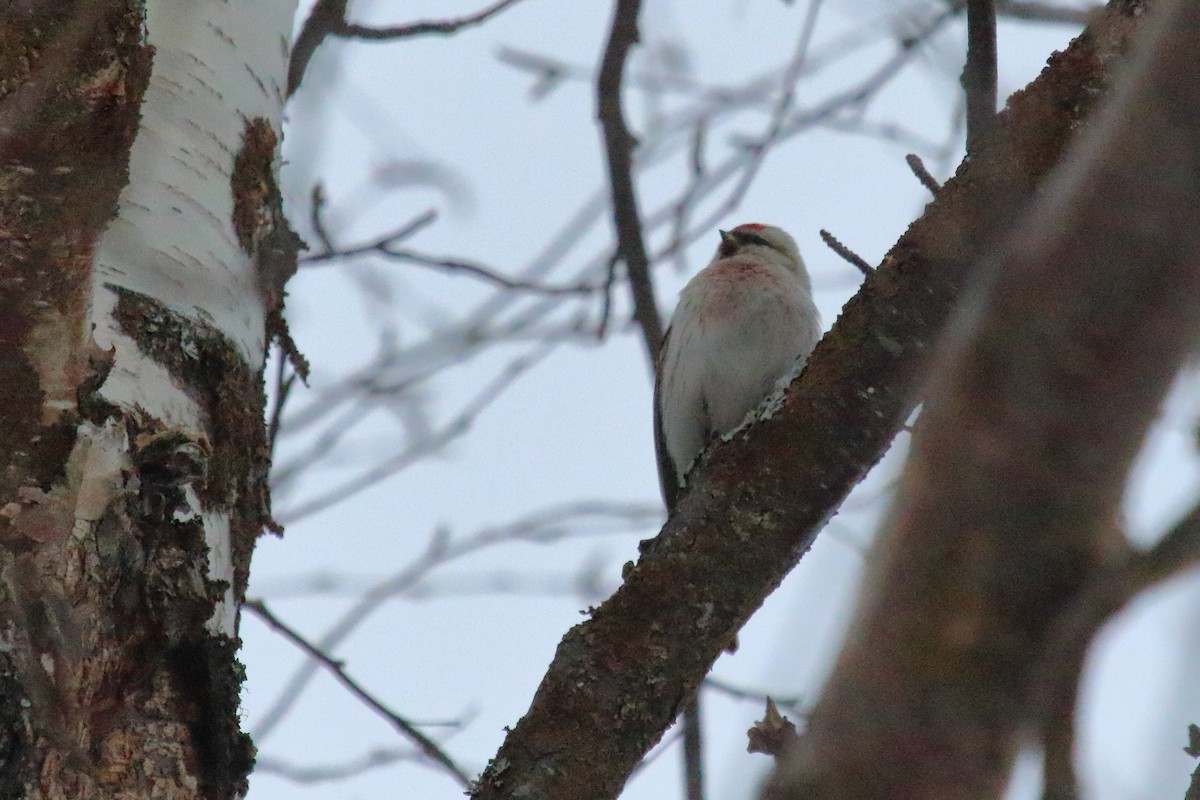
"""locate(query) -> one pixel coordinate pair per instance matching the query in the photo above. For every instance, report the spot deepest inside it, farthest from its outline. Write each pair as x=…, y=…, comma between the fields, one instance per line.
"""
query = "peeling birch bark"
x=140, y=244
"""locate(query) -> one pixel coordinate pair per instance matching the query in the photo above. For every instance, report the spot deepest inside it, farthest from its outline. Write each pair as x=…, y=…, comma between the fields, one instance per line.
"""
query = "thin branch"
x=307, y=773
x=610, y=280
x=787, y=98
x=439, y=27
x=891, y=132
x=486, y=274
x=846, y=253
x=1045, y=12
x=918, y=168
x=693, y=750
x=284, y=381
x=791, y=703
x=317, y=218
x=328, y=18
x=330, y=251
x=325, y=17
x=338, y=670
x=683, y=207
x=856, y=97
x=454, y=265
x=618, y=147
x=979, y=74
x=668, y=741
x=386, y=246
x=420, y=449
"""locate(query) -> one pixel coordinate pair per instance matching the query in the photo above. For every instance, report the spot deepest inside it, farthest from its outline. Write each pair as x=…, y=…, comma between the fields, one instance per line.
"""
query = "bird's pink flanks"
x=741, y=324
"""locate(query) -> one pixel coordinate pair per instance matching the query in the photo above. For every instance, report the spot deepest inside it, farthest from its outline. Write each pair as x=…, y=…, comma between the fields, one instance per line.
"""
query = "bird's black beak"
x=729, y=244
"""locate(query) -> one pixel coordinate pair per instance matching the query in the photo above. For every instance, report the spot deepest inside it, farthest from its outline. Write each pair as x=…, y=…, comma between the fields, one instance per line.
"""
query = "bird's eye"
x=753, y=238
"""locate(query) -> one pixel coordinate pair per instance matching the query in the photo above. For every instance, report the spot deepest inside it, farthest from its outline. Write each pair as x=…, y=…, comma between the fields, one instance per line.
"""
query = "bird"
x=742, y=323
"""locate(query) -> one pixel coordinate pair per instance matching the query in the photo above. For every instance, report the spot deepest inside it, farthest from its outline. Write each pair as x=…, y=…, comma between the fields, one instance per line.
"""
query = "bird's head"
x=762, y=241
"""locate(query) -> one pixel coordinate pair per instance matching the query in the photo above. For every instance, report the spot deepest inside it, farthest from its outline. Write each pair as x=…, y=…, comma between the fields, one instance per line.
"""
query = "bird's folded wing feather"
x=667, y=475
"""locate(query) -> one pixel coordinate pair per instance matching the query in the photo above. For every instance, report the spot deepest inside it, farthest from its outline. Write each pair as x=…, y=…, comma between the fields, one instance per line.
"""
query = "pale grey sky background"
x=393, y=129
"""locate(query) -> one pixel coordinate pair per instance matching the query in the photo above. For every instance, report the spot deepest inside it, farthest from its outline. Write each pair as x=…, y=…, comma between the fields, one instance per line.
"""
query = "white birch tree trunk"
x=142, y=258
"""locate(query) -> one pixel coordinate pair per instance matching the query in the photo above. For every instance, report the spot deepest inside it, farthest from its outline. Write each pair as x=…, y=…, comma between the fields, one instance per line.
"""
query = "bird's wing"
x=668, y=476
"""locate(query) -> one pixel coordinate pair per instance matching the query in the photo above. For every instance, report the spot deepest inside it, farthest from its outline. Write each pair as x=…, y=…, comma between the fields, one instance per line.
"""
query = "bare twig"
x=618, y=147
x=610, y=280
x=338, y=670
x=1044, y=12
x=325, y=17
x=979, y=74
x=441, y=27
x=891, y=132
x=549, y=73
x=455, y=265
x=846, y=253
x=329, y=251
x=791, y=703
x=307, y=773
x=386, y=246
x=417, y=450
x=328, y=18
x=284, y=381
x=317, y=218
x=693, y=750
x=683, y=207
x=918, y=168
x=787, y=98
x=853, y=98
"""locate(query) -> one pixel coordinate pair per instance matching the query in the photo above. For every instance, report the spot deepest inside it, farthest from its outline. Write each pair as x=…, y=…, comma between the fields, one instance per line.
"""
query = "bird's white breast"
x=740, y=326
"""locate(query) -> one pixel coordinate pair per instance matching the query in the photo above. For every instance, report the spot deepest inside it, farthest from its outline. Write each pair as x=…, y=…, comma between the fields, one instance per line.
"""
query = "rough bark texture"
x=111, y=684
x=54, y=197
x=1045, y=387
x=755, y=505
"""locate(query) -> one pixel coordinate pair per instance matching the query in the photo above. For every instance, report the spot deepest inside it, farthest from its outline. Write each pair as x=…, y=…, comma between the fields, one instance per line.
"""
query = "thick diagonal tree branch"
x=1045, y=387
x=757, y=502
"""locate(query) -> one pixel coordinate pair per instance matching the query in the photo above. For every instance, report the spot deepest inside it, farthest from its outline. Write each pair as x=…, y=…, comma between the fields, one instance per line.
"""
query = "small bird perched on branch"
x=741, y=324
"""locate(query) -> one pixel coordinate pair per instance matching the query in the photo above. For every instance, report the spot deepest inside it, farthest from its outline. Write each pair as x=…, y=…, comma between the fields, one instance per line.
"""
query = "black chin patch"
x=745, y=238
x=735, y=240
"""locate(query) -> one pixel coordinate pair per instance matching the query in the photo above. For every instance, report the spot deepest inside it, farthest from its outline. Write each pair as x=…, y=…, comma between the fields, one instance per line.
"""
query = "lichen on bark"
x=66, y=126
x=263, y=231
x=72, y=75
x=211, y=370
